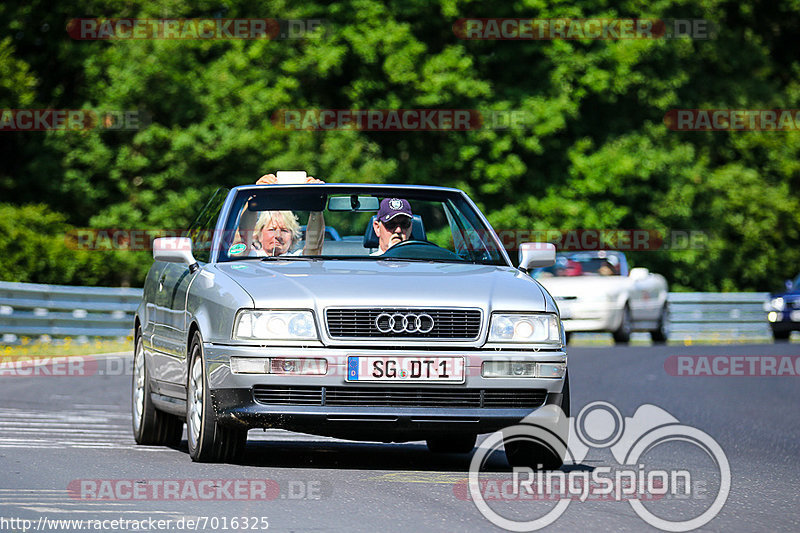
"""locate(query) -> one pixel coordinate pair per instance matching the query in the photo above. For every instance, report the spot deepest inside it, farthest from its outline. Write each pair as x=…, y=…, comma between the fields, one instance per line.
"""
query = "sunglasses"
x=405, y=223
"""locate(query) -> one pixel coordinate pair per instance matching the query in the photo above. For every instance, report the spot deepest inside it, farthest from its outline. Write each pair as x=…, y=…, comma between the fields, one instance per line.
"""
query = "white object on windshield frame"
x=291, y=176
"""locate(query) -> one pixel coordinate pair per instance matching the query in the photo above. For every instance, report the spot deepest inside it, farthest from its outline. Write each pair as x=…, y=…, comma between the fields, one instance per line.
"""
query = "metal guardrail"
x=36, y=311
x=33, y=310
x=718, y=316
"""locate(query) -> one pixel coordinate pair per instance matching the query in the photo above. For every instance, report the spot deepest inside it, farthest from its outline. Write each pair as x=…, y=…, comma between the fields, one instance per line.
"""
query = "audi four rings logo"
x=404, y=323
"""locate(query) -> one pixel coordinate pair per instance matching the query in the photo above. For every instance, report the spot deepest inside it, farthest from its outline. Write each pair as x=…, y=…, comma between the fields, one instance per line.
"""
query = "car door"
x=150, y=318
x=648, y=297
x=174, y=284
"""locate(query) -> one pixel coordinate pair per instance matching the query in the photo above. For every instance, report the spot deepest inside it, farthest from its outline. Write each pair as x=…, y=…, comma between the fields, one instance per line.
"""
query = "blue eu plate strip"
x=352, y=368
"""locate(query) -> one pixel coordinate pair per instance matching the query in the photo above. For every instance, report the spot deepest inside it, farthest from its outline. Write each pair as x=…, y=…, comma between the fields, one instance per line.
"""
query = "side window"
x=471, y=240
x=202, y=229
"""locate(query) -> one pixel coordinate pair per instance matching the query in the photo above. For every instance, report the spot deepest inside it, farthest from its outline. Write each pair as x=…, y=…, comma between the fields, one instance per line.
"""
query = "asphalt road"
x=64, y=440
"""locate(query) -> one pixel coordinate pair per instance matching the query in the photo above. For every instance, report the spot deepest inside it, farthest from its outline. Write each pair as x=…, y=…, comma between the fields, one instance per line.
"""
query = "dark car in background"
x=783, y=310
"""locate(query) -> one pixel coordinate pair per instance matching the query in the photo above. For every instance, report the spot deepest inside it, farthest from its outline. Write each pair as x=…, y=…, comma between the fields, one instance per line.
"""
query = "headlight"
x=525, y=328
x=778, y=304
x=275, y=325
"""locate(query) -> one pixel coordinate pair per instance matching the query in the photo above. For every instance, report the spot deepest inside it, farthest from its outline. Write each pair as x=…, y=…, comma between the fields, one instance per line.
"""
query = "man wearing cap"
x=392, y=225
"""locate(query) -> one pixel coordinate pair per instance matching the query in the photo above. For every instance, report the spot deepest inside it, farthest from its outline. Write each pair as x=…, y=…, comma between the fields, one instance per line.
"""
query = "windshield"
x=601, y=263
x=316, y=221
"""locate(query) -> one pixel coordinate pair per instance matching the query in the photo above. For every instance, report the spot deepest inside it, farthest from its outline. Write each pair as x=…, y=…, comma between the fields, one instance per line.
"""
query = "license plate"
x=408, y=369
x=794, y=316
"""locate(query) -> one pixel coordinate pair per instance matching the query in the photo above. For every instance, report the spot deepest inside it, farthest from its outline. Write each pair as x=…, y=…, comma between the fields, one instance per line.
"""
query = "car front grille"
x=288, y=395
x=400, y=397
x=453, y=324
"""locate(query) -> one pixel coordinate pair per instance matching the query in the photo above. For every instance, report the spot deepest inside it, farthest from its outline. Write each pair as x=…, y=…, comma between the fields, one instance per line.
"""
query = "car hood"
x=788, y=297
x=575, y=286
x=318, y=284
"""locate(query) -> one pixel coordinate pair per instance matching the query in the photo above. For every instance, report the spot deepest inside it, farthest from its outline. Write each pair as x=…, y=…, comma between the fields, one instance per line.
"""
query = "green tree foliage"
x=594, y=151
x=37, y=245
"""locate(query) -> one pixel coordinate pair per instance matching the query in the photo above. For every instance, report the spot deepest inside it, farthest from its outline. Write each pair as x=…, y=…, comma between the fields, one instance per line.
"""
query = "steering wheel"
x=432, y=251
x=410, y=242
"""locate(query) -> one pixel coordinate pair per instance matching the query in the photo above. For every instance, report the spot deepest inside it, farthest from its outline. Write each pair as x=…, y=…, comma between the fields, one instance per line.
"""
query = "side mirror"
x=536, y=255
x=789, y=285
x=639, y=273
x=175, y=250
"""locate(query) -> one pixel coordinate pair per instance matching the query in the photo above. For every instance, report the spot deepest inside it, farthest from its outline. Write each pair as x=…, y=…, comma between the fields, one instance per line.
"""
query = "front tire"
x=208, y=441
x=532, y=455
x=659, y=335
x=459, y=443
x=623, y=334
x=150, y=426
x=539, y=456
x=781, y=335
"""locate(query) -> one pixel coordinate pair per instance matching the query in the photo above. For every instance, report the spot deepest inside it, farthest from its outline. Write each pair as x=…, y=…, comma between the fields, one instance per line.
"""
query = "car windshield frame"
x=455, y=197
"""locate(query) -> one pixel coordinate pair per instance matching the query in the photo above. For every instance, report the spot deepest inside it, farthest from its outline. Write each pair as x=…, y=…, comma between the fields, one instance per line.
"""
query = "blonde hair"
x=288, y=218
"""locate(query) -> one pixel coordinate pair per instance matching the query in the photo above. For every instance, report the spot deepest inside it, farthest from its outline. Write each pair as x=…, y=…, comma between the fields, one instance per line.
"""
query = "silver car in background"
x=439, y=338
x=596, y=291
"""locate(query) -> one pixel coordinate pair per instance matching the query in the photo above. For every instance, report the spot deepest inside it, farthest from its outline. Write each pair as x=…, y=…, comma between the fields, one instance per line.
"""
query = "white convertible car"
x=595, y=291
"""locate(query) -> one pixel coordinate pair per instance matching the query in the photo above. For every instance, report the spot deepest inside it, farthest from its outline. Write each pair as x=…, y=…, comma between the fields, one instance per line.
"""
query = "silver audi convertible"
x=365, y=312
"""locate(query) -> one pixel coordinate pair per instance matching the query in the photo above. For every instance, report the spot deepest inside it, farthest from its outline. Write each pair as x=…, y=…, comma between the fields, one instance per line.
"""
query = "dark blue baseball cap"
x=392, y=207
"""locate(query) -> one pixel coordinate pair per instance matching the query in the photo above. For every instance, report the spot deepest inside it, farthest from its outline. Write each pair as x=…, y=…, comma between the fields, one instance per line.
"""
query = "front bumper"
x=784, y=320
x=590, y=316
x=235, y=403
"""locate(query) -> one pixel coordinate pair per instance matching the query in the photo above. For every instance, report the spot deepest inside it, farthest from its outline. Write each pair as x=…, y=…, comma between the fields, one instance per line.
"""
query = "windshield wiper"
x=423, y=260
x=288, y=258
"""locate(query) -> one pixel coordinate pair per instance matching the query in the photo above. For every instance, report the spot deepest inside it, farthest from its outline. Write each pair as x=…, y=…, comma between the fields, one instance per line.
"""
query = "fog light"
x=508, y=369
x=519, y=369
x=772, y=316
x=299, y=366
x=551, y=370
x=249, y=365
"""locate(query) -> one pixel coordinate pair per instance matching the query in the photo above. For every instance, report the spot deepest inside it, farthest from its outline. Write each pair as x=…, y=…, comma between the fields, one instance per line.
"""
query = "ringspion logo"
x=632, y=441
